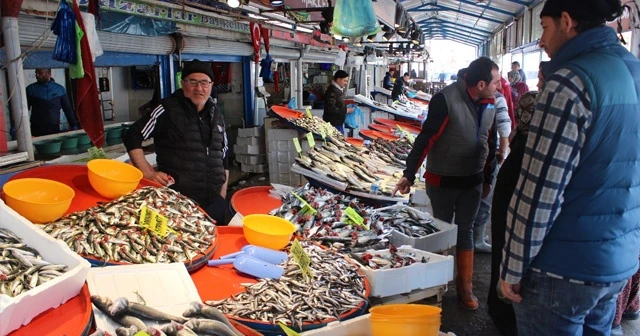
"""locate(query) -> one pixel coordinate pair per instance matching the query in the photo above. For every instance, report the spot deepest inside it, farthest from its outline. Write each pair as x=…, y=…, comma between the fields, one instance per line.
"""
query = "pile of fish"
x=317, y=125
x=336, y=288
x=330, y=225
x=395, y=259
x=202, y=319
x=111, y=232
x=405, y=220
x=392, y=152
x=22, y=267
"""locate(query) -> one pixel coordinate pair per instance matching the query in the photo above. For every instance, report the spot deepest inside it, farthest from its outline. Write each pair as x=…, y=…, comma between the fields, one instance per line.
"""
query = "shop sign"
x=166, y=13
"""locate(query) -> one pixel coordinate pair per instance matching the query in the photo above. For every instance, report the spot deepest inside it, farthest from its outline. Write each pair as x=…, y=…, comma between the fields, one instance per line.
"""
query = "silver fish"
x=123, y=306
x=198, y=309
x=202, y=326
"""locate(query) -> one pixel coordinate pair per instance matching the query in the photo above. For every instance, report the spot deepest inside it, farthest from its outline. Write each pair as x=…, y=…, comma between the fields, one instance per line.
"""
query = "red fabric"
x=255, y=39
x=10, y=8
x=265, y=37
x=276, y=81
x=222, y=73
x=521, y=88
x=432, y=141
x=87, y=103
x=506, y=92
x=432, y=179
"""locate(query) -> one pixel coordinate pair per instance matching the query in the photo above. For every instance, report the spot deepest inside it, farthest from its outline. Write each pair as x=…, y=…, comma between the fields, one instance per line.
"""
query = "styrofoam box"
x=440, y=241
x=258, y=168
x=358, y=326
x=250, y=132
x=253, y=141
x=20, y=310
x=166, y=287
x=251, y=150
x=387, y=282
x=251, y=159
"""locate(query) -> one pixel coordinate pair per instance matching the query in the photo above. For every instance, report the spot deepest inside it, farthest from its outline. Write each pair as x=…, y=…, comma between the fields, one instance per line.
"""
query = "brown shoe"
x=464, y=287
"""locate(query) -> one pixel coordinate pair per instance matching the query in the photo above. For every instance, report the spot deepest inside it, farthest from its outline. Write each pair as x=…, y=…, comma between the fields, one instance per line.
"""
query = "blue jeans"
x=340, y=128
x=552, y=306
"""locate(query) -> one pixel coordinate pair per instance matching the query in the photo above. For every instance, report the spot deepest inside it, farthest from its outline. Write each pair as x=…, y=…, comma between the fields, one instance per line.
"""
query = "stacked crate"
x=250, y=150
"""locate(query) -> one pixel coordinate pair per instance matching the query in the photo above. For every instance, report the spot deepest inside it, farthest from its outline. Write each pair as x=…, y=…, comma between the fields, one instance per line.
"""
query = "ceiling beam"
x=520, y=2
x=441, y=8
x=460, y=29
x=422, y=8
x=455, y=39
x=461, y=34
x=455, y=24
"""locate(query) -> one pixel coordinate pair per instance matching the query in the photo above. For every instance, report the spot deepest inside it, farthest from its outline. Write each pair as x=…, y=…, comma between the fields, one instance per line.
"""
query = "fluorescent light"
x=233, y=3
x=277, y=2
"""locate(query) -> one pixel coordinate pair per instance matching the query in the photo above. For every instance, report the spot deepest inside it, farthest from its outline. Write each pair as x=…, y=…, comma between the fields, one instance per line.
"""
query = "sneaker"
x=631, y=315
x=616, y=330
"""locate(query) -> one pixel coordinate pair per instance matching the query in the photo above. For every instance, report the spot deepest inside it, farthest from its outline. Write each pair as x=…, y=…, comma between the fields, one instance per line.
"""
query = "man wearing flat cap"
x=190, y=142
x=573, y=228
x=335, y=111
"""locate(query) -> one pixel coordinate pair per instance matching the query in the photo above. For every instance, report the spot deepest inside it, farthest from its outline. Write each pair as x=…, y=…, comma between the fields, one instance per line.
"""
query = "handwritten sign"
x=354, y=216
x=308, y=109
x=141, y=333
x=306, y=207
x=97, y=153
x=301, y=258
x=154, y=221
x=296, y=144
x=287, y=330
x=323, y=134
x=312, y=141
x=408, y=134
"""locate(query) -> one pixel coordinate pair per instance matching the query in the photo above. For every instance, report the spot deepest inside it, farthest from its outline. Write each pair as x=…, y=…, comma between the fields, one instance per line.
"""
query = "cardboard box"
x=20, y=310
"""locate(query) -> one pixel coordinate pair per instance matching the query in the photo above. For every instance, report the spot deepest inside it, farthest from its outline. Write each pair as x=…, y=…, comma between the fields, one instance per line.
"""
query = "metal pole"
x=17, y=91
x=256, y=78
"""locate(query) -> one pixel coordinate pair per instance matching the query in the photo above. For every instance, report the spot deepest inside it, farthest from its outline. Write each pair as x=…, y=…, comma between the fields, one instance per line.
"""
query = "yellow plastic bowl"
x=267, y=231
x=38, y=200
x=111, y=178
x=405, y=319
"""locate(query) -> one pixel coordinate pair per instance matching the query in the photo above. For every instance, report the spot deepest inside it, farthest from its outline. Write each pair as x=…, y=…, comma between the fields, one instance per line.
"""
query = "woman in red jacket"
x=518, y=87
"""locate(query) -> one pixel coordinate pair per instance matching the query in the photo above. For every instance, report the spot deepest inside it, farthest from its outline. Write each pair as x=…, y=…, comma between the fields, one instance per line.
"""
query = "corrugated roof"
x=466, y=21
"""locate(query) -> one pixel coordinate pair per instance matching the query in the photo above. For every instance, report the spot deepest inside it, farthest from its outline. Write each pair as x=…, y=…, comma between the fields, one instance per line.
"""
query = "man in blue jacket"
x=573, y=228
x=46, y=98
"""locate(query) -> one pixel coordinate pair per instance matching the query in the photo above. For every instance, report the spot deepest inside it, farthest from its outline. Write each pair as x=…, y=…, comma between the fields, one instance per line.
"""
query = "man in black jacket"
x=398, y=87
x=190, y=142
x=335, y=111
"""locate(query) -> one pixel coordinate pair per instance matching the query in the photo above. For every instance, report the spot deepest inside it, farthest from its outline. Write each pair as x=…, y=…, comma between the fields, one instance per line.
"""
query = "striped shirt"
x=556, y=136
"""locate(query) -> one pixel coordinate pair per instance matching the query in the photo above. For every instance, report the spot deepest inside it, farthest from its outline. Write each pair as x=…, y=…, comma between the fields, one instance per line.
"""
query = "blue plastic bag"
x=354, y=18
x=64, y=26
x=351, y=121
x=292, y=103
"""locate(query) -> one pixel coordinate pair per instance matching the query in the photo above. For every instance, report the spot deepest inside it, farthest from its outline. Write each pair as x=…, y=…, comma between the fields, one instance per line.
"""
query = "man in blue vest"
x=573, y=227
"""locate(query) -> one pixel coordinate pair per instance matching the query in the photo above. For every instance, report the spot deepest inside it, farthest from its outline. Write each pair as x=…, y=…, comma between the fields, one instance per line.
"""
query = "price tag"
x=312, y=141
x=354, y=216
x=296, y=144
x=97, y=153
x=287, y=330
x=141, y=333
x=301, y=258
x=306, y=207
x=154, y=221
x=308, y=109
x=408, y=134
x=323, y=134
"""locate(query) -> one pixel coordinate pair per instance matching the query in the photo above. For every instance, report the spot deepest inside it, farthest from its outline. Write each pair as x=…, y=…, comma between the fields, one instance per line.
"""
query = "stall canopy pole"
x=17, y=92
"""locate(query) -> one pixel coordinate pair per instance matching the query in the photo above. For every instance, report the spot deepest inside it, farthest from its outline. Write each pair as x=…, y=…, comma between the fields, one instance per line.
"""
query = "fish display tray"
x=384, y=107
x=20, y=310
x=394, y=124
x=358, y=326
x=387, y=282
x=254, y=200
x=372, y=135
x=440, y=241
x=221, y=282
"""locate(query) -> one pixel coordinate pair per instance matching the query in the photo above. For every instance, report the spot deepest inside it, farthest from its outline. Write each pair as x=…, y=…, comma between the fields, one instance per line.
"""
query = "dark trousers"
x=217, y=210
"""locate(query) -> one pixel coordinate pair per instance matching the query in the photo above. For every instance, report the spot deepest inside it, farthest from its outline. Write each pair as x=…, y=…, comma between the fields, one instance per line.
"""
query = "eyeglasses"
x=193, y=82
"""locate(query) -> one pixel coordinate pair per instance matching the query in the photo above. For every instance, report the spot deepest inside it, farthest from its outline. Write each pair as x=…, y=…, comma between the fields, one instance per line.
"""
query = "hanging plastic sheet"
x=92, y=35
x=354, y=18
x=265, y=69
x=64, y=26
x=136, y=25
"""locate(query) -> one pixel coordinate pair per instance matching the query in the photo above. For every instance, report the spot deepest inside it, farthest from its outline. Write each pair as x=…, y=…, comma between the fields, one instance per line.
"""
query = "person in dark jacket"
x=398, y=87
x=386, y=82
x=46, y=98
x=335, y=111
x=515, y=66
x=190, y=142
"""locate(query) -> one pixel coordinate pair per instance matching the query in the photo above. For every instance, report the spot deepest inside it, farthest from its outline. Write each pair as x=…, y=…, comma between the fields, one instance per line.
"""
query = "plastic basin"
x=38, y=200
x=83, y=139
x=405, y=319
x=114, y=133
x=111, y=178
x=267, y=231
x=70, y=142
x=48, y=147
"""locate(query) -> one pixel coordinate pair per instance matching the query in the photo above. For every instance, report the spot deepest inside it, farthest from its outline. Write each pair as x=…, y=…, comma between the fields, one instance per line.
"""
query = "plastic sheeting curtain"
x=354, y=18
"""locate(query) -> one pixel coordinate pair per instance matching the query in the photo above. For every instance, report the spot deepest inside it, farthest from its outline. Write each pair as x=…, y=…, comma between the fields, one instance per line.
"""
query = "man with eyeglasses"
x=190, y=142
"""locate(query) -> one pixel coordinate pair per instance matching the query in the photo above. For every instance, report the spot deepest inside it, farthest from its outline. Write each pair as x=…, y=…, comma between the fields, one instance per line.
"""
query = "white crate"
x=251, y=159
x=249, y=150
x=250, y=132
x=258, y=168
x=440, y=241
x=358, y=326
x=250, y=141
x=438, y=271
x=20, y=310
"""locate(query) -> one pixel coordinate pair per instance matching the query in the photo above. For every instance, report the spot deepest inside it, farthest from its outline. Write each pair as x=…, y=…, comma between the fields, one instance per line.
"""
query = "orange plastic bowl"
x=111, y=178
x=38, y=200
x=267, y=231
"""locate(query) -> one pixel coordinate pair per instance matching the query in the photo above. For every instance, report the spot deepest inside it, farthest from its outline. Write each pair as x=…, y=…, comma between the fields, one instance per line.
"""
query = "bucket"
x=114, y=133
x=83, y=139
x=70, y=142
x=48, y=147
x=405, y=319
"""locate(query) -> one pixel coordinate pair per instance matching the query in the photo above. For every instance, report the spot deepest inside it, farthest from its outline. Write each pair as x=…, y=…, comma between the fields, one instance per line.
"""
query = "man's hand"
x=500, y=155
x=511, y=292
x=403, y=186
x=158, y=177
x=486, y=189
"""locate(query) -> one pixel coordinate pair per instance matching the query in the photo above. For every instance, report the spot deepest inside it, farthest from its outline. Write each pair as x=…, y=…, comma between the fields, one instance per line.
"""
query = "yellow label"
x=408, y=134
x=323, y=134
x=309, y=112
x=306, y=207
x=97, y=153
x=354, y=216
x=141, y=333
x=296, y=144
x=301, y=258
x=287, y=330
x=154, y=221
x=312, y=141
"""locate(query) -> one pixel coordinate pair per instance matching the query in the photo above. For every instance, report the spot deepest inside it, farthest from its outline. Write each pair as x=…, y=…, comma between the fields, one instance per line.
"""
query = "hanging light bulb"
x=415, y=36
x=388, y=35
x=276, y=3
x=233, y=3
x=371, y=38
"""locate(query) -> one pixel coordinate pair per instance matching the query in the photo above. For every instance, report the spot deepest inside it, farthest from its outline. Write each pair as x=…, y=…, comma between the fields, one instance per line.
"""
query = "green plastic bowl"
x=48, y=147
x=84, y=140
x=114, y=141
x=70, y=142
x=114, y=133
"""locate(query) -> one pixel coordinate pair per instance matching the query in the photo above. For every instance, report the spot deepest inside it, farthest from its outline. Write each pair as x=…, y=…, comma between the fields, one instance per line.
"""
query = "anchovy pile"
x=405, y=220
x=111, y=231
x=394, y=153
x=330, y=224
x=316, y=125
x=22, y=267
x=395, y=259
x=204, y=320
x=335, y=289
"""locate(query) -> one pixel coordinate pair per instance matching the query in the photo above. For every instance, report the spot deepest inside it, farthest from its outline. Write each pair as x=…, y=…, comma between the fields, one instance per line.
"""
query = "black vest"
x=183, y=153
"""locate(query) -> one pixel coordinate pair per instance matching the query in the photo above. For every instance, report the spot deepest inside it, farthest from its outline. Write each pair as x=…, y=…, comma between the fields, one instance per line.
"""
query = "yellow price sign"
x=296, y=144
x=141, y=333
x=408, y=134
x=287, y=330
x=308, y=109
x=306, y=207
x=301, y=258
x=323, y=134
x=311, y=140
x=354, y=216
x=154, y=221
x=97, y=153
